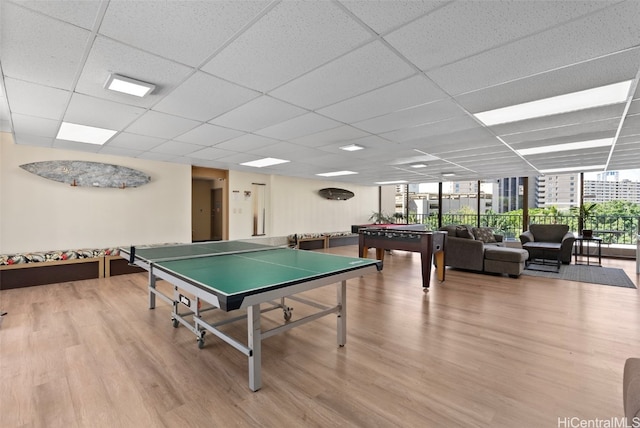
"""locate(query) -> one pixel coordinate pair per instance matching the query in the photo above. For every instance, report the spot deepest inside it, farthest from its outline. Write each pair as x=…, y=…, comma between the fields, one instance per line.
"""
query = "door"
x=216, y=214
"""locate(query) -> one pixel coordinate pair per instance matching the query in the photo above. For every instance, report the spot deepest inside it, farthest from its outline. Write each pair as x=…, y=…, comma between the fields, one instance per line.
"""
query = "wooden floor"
x=475, y=351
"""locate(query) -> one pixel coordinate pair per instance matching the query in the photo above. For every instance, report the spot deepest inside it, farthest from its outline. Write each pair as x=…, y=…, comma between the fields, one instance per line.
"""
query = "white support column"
x=255, y=345
x=342, y=313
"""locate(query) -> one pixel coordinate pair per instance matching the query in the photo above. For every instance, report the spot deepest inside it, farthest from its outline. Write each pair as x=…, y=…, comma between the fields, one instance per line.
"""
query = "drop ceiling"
x=297, y=80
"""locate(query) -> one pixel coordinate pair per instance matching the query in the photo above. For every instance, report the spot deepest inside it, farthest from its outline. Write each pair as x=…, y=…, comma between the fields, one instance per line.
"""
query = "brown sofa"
x=556, y=233
x=479, y=249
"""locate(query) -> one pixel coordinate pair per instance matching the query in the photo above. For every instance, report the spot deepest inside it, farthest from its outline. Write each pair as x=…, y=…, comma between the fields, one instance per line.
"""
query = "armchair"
x=558, y=233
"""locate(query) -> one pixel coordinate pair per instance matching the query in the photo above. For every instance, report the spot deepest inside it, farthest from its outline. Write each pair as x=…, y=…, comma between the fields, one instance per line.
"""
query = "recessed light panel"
x=351, y=148
x=382, y=183
x=264, y=162
x=84, y=134
x=604, y=142
x=589, y=98
x=128, y=85
x=336, y=173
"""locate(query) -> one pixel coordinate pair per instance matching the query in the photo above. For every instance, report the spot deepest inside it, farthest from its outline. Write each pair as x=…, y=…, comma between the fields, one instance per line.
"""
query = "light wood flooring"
x=475, y=351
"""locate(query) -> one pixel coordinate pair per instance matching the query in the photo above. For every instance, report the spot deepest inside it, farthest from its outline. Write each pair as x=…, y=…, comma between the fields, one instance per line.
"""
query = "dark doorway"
x=216, y=214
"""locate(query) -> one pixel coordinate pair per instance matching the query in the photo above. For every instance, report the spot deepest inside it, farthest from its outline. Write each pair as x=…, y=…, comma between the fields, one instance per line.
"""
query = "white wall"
x=37, y=214
x=294, y=206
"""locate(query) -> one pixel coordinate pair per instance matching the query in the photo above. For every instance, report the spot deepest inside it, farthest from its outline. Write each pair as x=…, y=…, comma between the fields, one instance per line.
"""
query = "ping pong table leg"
x=342, y=313
x=255, y=345
x=152, y=287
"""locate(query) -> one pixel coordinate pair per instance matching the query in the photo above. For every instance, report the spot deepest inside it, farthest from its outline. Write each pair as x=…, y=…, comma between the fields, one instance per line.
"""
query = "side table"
x=579, y=250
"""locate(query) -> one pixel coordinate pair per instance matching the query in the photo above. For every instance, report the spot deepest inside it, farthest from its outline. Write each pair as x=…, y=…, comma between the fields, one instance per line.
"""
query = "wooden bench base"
x=52, y=272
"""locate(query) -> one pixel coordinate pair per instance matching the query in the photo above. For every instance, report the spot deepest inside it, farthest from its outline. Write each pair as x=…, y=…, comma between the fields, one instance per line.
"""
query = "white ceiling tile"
x=438, y=38
x=415, y=116
x=362, y=70
x=208, y=135
x=203, y=97
x=598, y=114
x=342, y=134
x=590, y=74
x=155, y=156
x=108, y=56
x=5, y=125
x=90, y=111
x=384, y=15
x=80, y=13
x=411, y=92
x=246, y=142
x=188, y=32
x=177, y=148
x=35, y=125
x=119, y=151
x=579, y=131
x=36, y=100
x=257, y=114
x=436, y=129
x=33, y=140
x=211, y=153
x=288, y=151
x=74, y=145
x=611, y=30
x=161, y=125
x=291, y=39
x=307, y=124
x=130, y=141
x=40, y=49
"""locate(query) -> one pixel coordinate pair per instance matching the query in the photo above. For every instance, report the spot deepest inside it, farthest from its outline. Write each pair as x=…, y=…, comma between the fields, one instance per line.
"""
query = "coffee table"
x=550, y=252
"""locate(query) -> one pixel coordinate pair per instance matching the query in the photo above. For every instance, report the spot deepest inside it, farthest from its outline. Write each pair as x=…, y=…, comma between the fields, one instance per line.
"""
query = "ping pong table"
x=239, y=275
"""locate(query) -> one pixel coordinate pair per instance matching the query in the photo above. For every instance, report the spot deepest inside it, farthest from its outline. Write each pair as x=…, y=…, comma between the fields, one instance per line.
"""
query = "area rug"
x=592, y=274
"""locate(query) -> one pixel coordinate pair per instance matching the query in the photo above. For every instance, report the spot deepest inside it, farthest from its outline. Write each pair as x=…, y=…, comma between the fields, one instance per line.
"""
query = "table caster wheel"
x=175, y=322
x=201, y=343
x=287, y=314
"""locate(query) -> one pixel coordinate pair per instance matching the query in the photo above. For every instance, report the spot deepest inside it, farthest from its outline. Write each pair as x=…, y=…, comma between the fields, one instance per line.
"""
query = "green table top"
x=253, y=269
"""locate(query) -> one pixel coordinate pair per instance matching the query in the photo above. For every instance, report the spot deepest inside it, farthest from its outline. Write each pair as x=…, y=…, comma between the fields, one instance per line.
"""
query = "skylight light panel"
x=260, y=163
x=84, y=134
x=351, y=148
x=382, y=183
x=581, y=100
x=336, y=173
x=603, y=142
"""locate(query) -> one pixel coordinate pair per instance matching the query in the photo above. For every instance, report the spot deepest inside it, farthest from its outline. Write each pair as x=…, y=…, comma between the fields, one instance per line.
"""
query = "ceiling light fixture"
x=603, y=142
x=448, y=174
x=581, y=100
x=351, y=148
x=84, y=134
x=391, y=182
x=336, y=173
x=128, y=85
x=419, y=165
x=572, y=169
x=264, y=162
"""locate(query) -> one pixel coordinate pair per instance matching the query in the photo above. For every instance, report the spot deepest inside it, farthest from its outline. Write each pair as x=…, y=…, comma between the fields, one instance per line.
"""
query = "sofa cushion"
x=464, y=231
x=505, y=254
x=484, y=234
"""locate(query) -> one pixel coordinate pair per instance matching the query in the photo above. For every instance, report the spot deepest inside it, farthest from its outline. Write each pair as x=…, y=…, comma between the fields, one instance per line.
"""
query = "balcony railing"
x=612, y=229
